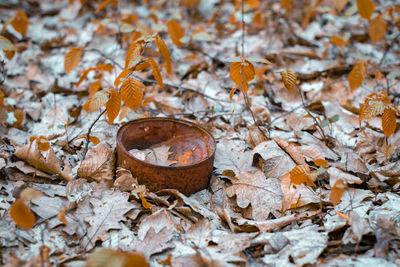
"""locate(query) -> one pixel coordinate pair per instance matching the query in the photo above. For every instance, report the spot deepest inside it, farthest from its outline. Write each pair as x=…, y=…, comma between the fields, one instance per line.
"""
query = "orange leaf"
x=163, y=50
x=339, y=41
x=84, y=75
x=156, y=72
x=286, y=4
x=357, y=75
x=94, y=140
x=377, y=29
x=22, y=215
x=321, y=163
x=300, y=174
x=120, y=77
x=142, y=66
x=133, y=56
x=1, y=98
x=43, y=143
x=113, y=105
x=131, y=93
x=6, y=44
x=105, y=3
x=248, y=73
x=231, y=93
x=389, y=122
x=145, y=204
x=94, y=87
x=86, y=106
x=72, y=59
x=104, y=67
x=98, y=100
x=365, y=8
x=344, y=216
x=340, y=4
x=20, y=22
x=337, y=192
x=61, y=216
x=175, y=32
x=289, y=78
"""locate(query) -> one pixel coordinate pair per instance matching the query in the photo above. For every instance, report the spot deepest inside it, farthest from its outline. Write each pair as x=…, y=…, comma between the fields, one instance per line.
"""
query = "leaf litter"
x=330, y=96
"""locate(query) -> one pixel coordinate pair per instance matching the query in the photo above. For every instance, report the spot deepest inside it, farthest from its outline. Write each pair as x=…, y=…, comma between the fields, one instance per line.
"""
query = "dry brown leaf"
x=98, y=164
x=51, y=164
x=295, y=196
x=125, y=180
x=264, y=194
x=293, y=150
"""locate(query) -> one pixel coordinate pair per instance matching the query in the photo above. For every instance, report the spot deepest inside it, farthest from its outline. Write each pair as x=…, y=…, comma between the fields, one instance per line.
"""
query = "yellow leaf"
x=365, y=8
x=337, y=192
x=339, y=41
x=72, y=59
x=94, y=140
x=389, y=122
x=156, y=71
x=5, y=44
x=289, y=78
x=98, y=100
x=357, y=75
x=248, y=73
x=301, y=174
x=175, y=32
x=22, y=215
x=163, y=50
x=377, y=29
x=113, y=105
x=131, y=93
x=20, y=22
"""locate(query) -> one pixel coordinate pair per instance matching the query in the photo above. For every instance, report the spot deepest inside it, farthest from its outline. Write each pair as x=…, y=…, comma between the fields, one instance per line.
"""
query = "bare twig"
x=181, y=88
x=246, y=99
x=88, y=134
x=388, y=48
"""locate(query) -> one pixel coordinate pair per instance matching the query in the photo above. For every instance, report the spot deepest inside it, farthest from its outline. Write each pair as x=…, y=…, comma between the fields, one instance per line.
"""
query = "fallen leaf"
x=98, y=164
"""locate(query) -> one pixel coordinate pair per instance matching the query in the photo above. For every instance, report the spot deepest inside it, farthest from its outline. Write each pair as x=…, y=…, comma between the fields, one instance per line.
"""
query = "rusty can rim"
x=191, y=124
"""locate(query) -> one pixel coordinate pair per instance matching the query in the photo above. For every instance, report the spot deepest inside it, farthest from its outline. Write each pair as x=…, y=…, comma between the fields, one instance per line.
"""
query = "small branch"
x=179, y=87
x=317, y=124
x=388, y=48
x=88, y=134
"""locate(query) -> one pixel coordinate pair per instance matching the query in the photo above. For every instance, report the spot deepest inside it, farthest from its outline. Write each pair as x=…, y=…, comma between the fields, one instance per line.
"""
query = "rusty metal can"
x=192, y=146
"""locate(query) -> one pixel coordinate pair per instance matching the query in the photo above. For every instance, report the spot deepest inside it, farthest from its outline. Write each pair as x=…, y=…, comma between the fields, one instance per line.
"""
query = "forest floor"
x=314, y=182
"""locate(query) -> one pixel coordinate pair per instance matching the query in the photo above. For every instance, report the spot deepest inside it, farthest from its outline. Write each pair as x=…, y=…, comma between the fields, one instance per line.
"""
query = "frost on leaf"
x=98, y=165
x=264, y=194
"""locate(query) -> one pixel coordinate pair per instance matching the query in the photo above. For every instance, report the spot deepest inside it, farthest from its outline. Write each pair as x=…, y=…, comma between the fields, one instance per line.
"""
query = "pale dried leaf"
x=98, y=164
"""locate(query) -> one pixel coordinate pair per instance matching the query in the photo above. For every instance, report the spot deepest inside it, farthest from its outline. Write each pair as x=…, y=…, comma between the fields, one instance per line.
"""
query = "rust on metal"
x=192, y=147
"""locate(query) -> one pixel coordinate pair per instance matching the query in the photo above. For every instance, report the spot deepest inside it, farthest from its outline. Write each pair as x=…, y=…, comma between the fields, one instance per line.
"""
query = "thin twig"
x=179, y=87
x=88, y=135
x=388, y=48
x=317, y=124
x=246, y=99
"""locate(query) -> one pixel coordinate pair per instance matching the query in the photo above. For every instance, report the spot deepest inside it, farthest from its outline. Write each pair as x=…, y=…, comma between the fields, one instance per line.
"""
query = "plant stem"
x=88, y=135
